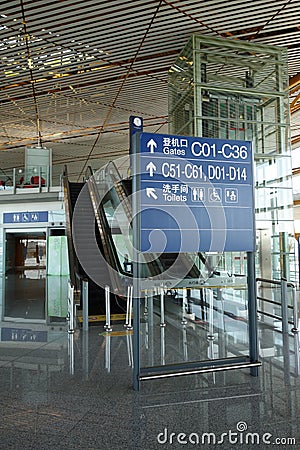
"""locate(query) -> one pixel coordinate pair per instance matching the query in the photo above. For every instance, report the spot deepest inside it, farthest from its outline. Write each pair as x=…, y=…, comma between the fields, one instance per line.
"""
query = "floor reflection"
x=25, y=293
x=31, y=295
x=68, y=391
x=206, y=326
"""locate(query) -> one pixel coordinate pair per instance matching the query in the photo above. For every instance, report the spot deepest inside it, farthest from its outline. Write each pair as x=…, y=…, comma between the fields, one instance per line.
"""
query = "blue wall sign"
x=23, y=335
x=25, y=217
x=196, y=194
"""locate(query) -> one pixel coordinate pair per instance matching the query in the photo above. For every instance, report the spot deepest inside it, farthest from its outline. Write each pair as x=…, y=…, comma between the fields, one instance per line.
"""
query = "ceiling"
x=72, y=72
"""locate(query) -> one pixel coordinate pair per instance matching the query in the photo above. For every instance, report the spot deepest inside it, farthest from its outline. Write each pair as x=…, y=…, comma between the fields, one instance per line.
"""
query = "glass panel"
x=25, y=277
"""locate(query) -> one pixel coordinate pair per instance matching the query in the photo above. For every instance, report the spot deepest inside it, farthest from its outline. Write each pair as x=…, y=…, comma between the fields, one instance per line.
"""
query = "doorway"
x=25, y=276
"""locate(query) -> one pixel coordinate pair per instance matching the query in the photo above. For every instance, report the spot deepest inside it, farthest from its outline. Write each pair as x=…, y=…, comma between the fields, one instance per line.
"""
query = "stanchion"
x=71, y=353
x=127, y=307
x=184, y=343
x=184, y=307
x=107, y=326
x=295, y=310
x=107, y=353
x=162, y=308
x=146, y=304
x=284, y=305
x=85, y=305
x=162, y=346
x=71, y=328
x=128, y=323
x=150, y=308
x=210, y=295
x=129, y=349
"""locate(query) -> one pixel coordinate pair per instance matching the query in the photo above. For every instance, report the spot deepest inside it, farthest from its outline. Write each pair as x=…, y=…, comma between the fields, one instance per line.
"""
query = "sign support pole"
x=136, y=126
x=252, y=312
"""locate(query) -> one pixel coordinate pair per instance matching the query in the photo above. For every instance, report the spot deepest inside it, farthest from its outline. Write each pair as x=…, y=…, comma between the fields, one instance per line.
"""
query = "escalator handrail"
x=88, y=173
x=75, y=275
x=110, y=170
x=112, y=174
x=110, y=252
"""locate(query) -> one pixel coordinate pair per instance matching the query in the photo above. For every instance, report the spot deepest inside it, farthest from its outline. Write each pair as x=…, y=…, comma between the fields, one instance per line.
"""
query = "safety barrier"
x=284, y=305
x=71, y=309
x=128, y=319
x=107, y=326
x=85, y=304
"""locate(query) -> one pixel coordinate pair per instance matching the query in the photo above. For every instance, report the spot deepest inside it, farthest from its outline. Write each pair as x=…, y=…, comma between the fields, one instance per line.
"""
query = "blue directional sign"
x=25, y=217
x=196, y=194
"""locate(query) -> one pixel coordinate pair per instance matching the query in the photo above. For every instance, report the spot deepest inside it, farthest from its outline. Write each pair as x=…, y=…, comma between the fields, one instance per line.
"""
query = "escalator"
x=105, y=209
x=83, y=232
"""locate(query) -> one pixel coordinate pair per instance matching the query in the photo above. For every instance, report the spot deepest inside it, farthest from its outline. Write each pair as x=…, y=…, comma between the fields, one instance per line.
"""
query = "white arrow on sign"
x=150, y=192
x=152, y=144
x=151, y=167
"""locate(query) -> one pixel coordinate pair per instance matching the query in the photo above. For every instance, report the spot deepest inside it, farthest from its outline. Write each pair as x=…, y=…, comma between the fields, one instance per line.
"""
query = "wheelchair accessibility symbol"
x=214, y=194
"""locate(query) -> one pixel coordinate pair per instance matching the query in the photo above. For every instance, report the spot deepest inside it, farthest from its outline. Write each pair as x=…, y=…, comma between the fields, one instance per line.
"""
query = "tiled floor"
x=61, y=391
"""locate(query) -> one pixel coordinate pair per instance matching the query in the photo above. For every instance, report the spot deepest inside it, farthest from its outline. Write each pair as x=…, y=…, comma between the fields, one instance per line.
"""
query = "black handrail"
x=110, y=252
x=73, y=262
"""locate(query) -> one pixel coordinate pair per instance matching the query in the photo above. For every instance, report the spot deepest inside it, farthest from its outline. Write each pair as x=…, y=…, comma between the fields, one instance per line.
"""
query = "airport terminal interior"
x=149, y=224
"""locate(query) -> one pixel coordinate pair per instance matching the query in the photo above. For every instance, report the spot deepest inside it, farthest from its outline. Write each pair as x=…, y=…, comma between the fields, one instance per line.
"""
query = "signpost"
x=192, y=194
x=199, y=192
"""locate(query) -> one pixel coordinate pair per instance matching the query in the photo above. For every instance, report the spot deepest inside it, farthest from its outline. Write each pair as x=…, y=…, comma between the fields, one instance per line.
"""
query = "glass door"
x=25, y=276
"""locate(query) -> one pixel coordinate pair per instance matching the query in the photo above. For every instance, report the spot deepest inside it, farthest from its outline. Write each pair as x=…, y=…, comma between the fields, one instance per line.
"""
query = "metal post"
x=297, y=354
x=150, y=309
x=184, y=304
x=71, y=353
x=209, y=298
x=136, y=326
x=222, y=342
x=252, y=312
x=209, y=293
x=162, y=346
x=146, y=303
x=162, y=308
x=85, y=305
x=107, y=353
x=85, y=355
x=284, y=305
x=14, y=181
x=185, y=344
x=48, y=178
x=295, y=310
x=107, y=326
x=71, y=308
x=136, y=127
x=129, y=307
x=146, y=335
x=40, y=179
x=286, y=357
x=129, y=349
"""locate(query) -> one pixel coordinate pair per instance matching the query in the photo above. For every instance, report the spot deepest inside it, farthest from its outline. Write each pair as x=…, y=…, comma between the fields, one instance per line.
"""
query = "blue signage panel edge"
x=208, y=180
